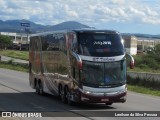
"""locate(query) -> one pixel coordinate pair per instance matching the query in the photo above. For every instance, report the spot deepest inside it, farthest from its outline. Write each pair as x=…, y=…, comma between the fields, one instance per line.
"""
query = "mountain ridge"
x=15, y=26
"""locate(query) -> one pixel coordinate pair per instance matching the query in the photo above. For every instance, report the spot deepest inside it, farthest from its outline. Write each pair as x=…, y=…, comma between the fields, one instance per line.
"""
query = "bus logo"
x=101, y=59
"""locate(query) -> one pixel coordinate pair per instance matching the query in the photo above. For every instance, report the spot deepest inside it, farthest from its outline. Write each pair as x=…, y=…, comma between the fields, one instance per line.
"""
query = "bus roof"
x=77, y=31
x=95, y=31
x=48, y=32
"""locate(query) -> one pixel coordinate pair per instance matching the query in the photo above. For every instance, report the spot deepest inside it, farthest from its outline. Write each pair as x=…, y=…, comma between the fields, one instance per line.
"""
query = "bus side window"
x=75, y=44
x=72, y=42
x=44, y=43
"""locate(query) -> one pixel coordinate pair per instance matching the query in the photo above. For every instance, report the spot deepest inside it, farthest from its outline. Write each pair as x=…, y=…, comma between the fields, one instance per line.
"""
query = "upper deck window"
x=100, y=44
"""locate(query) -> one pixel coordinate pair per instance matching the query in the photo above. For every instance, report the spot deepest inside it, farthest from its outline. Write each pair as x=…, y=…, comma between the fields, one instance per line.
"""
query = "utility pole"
x=26, y=26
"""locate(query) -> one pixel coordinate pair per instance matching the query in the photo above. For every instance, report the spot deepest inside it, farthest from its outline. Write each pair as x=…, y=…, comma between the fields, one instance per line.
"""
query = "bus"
x=79, y=65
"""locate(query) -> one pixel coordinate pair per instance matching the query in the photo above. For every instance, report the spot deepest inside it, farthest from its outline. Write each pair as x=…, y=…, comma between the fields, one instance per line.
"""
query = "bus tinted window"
x=100, y=45
x=109, y=74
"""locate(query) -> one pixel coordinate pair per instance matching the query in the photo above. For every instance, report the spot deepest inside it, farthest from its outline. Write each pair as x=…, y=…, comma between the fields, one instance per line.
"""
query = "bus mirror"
x=83, y=75
x=79, y=64
x=131, y=65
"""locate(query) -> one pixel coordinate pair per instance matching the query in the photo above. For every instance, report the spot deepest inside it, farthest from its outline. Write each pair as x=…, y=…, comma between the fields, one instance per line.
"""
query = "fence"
x=143, y=75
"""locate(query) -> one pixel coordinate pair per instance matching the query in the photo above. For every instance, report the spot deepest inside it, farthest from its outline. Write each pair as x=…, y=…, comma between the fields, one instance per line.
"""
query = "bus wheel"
x=63, y=96
x=109, y=103
x=59, y=91
x=69, y=100
x=41, y=89
x=37, y=89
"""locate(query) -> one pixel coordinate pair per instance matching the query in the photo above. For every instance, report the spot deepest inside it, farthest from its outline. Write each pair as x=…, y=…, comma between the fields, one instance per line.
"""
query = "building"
x=145, y=44
x=134, y=45
x=130, y=44
x=19, y=39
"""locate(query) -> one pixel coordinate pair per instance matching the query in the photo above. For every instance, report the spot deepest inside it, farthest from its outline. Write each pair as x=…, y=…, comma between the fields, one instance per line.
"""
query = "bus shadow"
x=83, y=105
x=30, y=101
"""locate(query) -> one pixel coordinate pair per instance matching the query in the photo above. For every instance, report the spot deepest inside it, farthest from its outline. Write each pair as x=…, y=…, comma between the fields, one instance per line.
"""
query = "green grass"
x=145, y=63
x=15, y=54
x=143, y=90
x=18, y=67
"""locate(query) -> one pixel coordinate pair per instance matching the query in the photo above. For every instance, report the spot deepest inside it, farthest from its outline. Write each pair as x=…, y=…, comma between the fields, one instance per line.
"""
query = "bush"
x=138, y=60
x=143, y=66
x=147, y=61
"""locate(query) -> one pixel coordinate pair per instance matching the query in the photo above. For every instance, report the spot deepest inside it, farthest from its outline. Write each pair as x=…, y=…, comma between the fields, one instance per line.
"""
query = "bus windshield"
x=104, y=74
x=100, y=45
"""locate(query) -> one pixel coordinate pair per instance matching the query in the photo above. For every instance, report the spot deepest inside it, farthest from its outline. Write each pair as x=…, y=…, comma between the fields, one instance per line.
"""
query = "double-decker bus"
x=79, y=65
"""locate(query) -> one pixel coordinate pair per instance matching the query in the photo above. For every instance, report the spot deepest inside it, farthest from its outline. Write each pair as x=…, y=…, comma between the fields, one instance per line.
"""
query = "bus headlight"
x=86, y=92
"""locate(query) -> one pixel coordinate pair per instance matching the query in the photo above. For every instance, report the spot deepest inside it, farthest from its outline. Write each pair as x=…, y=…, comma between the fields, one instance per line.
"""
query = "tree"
x=155, y=53
x=5, y=41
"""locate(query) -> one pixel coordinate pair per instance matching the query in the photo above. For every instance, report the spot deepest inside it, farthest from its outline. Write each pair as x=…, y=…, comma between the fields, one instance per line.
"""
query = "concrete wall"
x=130, y=44
x=132, y=51
x=148, y=76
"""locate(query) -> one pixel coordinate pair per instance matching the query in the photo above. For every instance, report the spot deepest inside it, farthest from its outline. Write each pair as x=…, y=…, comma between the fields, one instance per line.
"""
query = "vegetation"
x=5, y=41
x=149, y=62
x=143, y=90
x=15, y=54
x=14, y=66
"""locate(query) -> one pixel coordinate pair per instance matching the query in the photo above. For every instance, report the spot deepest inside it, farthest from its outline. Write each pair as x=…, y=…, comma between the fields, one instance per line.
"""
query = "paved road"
x=16, y=95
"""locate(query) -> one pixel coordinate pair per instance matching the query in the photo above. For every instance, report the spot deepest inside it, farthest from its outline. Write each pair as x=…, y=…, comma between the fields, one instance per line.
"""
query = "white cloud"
x=91, y=12
x=151, y=20
x=136, y=12
x=118, y=1
x=72, y=13
x=69, y=12
x=151, y=12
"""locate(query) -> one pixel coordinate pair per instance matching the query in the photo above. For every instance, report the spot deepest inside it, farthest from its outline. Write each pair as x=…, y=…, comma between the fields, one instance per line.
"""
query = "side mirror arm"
x=131, y=61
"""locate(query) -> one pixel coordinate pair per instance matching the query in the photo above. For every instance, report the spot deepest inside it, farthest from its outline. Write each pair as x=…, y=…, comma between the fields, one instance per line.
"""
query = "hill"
x=143, y=35
x=15, y=26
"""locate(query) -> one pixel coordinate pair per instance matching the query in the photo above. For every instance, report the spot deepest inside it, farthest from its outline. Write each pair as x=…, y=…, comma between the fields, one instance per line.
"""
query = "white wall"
x=131, y=51
x=8, y=33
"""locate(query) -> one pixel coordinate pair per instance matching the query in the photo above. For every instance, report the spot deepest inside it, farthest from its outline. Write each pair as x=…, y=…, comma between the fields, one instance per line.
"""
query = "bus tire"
x=59, y=90
x=41, y=92
x=69, y=101
x=109, y=103
x=37, y=88
x=63, y=96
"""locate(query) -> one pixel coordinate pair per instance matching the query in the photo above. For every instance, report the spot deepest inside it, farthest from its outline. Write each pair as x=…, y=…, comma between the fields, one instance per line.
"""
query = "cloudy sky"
x=127, y=16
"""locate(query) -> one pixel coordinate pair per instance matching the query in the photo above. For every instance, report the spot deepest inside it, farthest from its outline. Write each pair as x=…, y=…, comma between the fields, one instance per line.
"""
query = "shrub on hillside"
x=151, y=62
x=143, y=66
x=147, y=61
x=138, y=60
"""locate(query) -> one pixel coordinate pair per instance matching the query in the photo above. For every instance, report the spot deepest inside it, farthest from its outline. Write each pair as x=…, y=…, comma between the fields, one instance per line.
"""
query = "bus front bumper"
x=112, y=97
x=104, y=99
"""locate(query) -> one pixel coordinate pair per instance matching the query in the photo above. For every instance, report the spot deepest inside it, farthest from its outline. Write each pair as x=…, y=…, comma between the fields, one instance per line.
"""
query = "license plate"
x=104, y=100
